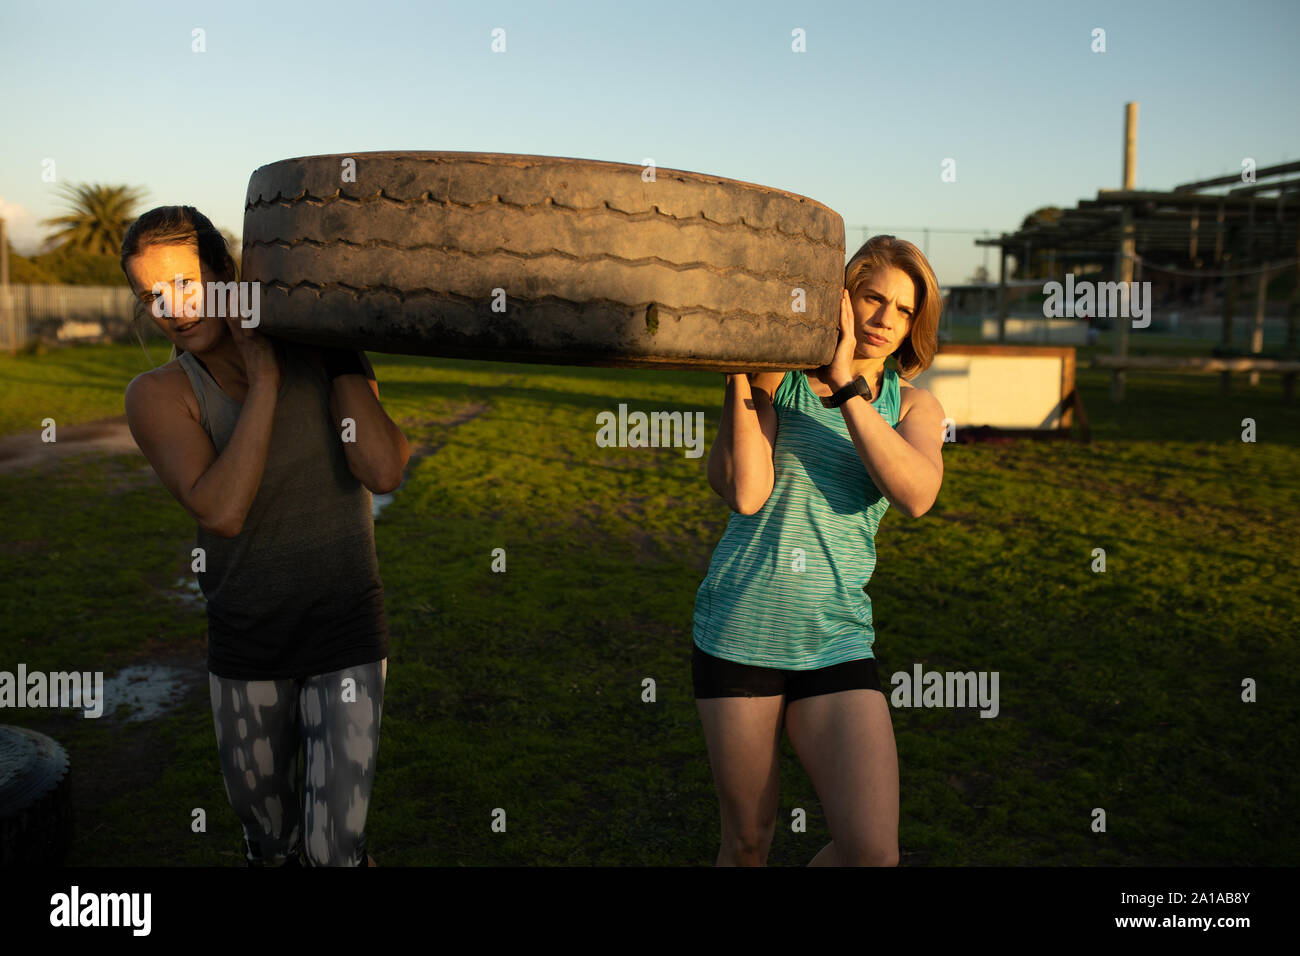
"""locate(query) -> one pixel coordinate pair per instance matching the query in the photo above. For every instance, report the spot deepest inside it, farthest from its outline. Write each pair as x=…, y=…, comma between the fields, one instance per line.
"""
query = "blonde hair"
x=915, y=353
x=177, y=225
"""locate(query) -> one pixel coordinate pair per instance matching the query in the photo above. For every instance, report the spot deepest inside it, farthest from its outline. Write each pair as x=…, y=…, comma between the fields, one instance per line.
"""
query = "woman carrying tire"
x=252, y=437
x=783, y=633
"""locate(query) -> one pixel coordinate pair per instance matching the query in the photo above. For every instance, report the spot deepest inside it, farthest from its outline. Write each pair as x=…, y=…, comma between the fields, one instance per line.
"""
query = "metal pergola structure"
x=1199, y=230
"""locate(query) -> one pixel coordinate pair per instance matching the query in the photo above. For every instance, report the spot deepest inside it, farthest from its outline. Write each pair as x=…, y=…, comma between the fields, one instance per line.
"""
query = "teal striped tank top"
x=787, y=585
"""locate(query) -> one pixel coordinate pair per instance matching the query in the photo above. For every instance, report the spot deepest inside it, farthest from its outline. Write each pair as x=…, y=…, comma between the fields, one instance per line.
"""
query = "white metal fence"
x=65, y=312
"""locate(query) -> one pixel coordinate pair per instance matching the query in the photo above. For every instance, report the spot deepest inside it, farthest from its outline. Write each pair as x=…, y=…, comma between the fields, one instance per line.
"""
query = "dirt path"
x=111, y=436
x=107, y=436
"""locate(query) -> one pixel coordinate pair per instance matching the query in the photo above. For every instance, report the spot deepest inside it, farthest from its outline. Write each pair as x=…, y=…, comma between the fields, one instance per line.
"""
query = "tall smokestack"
x=1130, y=144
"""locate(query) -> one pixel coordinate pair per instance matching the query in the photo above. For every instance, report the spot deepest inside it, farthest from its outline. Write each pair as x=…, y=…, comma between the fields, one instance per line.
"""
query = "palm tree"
x=98, y=221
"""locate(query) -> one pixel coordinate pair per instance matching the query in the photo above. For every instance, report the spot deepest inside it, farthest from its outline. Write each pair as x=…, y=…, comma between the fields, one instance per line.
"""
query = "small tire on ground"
x=542, y=259
x=35, y=799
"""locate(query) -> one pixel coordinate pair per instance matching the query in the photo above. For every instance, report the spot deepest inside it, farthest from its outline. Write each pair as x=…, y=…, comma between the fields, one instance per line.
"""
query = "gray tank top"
x=297, y=592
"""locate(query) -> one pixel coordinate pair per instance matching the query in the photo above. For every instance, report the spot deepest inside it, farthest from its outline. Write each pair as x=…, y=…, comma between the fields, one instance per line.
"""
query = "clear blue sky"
x=861, y=122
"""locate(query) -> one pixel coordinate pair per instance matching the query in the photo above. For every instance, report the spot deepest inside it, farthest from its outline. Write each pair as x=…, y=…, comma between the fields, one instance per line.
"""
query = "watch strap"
x=859, y=386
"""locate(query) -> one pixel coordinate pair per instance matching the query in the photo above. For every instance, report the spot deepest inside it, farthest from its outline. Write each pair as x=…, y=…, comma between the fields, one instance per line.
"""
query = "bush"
x=73, y=268
x=23, y=271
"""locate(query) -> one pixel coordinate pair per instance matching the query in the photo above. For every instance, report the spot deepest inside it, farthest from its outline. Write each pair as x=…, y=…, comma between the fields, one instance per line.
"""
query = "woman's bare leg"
x=743, y=736
x=846, y=743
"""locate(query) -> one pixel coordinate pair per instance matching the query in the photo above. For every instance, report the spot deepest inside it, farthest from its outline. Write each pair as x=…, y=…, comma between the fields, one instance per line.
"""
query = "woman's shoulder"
x=164, y=379
x=157, y=388
x=912, y=397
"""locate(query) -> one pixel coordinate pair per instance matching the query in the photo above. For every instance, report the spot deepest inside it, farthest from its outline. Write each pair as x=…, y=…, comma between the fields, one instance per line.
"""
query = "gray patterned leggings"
x=261, y=727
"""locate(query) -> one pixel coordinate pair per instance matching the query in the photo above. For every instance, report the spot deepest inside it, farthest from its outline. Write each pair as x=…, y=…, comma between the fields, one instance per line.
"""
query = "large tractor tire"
x=35, y=799
x=542, y=259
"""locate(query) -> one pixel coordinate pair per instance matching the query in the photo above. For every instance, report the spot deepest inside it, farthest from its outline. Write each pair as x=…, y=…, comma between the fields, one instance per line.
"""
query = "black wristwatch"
x=859, y=386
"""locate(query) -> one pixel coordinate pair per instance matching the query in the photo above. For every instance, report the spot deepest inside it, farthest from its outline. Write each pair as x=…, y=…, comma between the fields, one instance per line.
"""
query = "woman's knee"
x=748, y=834
x=332, y=841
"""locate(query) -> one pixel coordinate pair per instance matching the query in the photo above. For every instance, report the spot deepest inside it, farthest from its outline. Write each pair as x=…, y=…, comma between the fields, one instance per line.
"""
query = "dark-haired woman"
x=248, y=435
x=783, y=633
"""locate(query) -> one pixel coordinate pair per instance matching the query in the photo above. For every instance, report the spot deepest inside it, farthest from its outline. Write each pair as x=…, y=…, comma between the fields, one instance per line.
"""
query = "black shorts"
x=714, y=677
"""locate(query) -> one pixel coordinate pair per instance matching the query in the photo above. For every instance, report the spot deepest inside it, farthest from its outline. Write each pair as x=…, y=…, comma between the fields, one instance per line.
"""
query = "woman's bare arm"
x=740, y=461
x=906, y=463
x=380, y=452
x=217, y=490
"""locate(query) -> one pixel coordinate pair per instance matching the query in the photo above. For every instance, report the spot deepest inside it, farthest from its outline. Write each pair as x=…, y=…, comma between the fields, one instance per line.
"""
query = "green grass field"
x=522, y=690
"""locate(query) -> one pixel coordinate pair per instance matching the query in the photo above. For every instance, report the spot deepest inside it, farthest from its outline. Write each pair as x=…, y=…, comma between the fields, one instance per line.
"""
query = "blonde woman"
x=783, y=630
